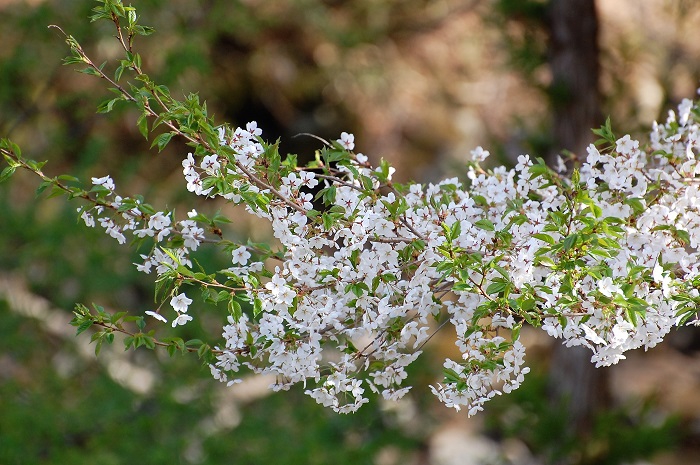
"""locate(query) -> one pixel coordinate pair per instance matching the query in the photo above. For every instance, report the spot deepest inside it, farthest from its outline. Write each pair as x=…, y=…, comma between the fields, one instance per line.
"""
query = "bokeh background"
x=418, y=82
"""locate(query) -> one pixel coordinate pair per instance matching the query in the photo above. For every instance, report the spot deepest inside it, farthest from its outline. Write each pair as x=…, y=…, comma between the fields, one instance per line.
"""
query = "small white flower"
x=684, y=110
x=626, y=145
x=144, y=232
x=593, y=155
x=665, y=280
x=157, y=316
x=347, y=141
x=253, y=128
x=561, y=165
x=240, y=255
x=308, y=179
x=607, y=288
x=291, y=180
x=180, y=303
x=592, y=336
x=479, y=154
x=210, y=164
x=188, y=163
x=159, y=221
x=181, y=320
x=104, y=181
x=88, y=218
x=145, y=267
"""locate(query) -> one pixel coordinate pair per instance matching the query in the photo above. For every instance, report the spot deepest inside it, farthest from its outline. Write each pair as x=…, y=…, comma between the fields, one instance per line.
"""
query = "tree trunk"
x=574, y=62
x=575, y=384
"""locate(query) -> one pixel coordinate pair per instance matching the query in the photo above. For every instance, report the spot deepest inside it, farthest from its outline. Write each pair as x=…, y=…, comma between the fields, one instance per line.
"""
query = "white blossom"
x=180, y=303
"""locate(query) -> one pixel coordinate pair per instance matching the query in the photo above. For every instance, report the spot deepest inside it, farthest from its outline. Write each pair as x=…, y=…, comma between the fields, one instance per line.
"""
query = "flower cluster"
x=119, y=215
x=607, y=259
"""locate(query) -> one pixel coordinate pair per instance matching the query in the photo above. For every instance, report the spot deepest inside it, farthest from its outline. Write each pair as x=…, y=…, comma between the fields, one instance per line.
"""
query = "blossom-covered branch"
x=369, y=270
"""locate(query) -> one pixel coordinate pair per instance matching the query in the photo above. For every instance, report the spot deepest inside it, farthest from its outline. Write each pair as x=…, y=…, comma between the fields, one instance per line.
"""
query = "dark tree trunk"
x=574, y=60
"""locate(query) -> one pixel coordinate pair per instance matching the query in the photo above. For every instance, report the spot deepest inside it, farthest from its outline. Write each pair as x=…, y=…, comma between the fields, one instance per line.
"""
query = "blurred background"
x=420, y=83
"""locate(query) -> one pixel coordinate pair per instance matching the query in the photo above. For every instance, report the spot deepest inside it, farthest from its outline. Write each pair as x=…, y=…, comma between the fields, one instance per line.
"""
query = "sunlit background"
x=420, y=83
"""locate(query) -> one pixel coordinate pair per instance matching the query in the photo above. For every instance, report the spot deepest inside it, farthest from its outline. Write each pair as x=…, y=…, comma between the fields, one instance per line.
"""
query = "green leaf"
x=35, y=165
x=219, y=218
x=90, y=71
x=142, y=124
x=557, y=218
x=42, y=187
x=146, y=208
x=485, y=224
x=222, y=296
x=515, y=333
x=234, y=308
x=570, y=241
x=502, y=271
x=71, y=60
x=480, y=200
x=357, y=288
x=98, y=347
x=69, y=178
x=162, y=140
x=10, y=146
x=84, y=326
x=204, y=351
x=575, y=177
x=636, y=204
x=544, y=238
x=7, y=172
x=600, y=253
x=175, y=344
x=143, y=30
x=682, y=236
x=456, y=230
x=132, y=16
x=137, y=60
x=605, y=133
x=116, y=317
x=107, y=105
x=496, y=287
x=451, y=376
x=149, y=341
x=328, y=221
x=117, y=8
x=545, y=261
